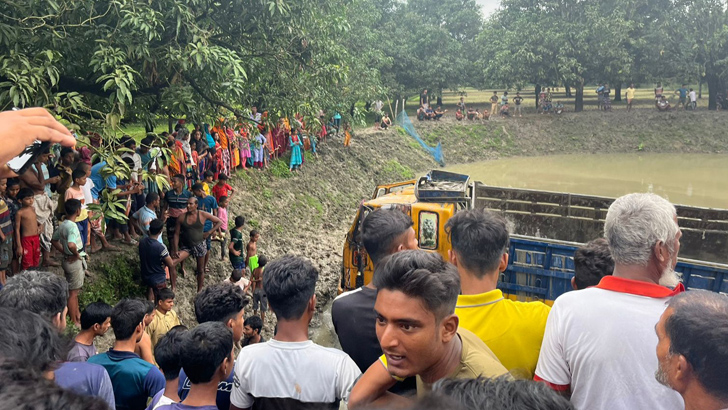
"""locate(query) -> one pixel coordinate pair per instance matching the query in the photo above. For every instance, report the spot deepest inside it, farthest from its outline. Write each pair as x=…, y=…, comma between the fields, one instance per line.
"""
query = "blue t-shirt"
x=207, y=204
x=99, y=182
x=134, y=380
x=683, y=92
x=223, y=389
x=86, y=379
x=145, y=216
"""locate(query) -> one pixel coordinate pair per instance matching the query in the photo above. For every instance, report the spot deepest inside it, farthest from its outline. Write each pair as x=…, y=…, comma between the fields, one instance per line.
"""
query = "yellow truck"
x=546, y=227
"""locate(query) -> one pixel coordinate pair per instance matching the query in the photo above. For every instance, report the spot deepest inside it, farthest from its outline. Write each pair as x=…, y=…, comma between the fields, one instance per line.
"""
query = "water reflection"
x=688, y=179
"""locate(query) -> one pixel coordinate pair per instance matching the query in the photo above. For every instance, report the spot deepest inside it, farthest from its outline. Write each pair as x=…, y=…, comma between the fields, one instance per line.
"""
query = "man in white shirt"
x=290, y=371
x=599, y=342
x=692, y=349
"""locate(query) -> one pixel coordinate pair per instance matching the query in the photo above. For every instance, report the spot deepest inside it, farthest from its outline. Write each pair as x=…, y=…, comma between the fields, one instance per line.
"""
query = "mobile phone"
x=28, y=157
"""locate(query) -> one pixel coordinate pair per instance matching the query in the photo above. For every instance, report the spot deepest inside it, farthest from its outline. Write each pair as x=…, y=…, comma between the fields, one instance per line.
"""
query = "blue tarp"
x=403, y=121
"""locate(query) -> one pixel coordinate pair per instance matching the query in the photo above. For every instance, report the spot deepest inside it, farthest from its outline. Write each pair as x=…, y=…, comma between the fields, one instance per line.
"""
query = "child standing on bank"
x=67, y=240
x=27, y=231
x=251, y=251
x=236, y=244
x=222, y=189
x=208, y=183
x=76, y=192
x=222, y=213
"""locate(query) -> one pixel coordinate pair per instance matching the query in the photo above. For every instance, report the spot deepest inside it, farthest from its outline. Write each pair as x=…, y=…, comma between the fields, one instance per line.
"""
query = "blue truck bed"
x=541, y=269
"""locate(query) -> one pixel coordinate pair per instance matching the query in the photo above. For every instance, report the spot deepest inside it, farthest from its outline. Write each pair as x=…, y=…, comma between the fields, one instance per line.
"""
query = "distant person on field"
x=629, y=95
x=517, y=100
x=494, y=102
x=512, y=330
x=259, y=297
x=418, y=330
x=459, y=115
x=439, y=112
x=691, y=349
x=252, y=328
x=168, y=354
x=663, y=104
x=599, y=345
x=386, y=122
x=659, y=92
x=592, y=262
x=46, y=294
x=693, y=99
x=207, y=357
x=164, y=318
x=222, y=303
x=264, y=376
x=134, y=380
x=95, y=322
x=683, y=91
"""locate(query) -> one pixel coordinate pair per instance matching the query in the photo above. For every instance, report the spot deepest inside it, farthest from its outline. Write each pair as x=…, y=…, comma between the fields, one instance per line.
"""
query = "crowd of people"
x=427, y=333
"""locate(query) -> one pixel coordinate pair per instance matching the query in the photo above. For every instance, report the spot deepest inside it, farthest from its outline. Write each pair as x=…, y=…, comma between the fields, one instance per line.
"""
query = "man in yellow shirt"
x=164, y=317
x=630, y=96
x=418, y=332
x=512, y=330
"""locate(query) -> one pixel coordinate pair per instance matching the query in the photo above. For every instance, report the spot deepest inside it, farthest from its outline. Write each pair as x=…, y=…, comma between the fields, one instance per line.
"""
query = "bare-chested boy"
x=259, y=296
x=27, y=231
x=251, y=251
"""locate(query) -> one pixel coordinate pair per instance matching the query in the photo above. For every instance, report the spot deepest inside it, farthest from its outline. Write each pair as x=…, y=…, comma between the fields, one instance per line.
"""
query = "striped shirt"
x=6, y=224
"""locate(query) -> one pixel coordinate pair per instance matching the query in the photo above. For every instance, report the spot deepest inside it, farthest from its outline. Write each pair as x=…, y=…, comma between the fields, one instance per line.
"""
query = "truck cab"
x=430, y=201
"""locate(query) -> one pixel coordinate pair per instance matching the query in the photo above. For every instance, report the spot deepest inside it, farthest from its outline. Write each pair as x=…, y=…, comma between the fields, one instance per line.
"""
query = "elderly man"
x=599, y=342
x=692, y=352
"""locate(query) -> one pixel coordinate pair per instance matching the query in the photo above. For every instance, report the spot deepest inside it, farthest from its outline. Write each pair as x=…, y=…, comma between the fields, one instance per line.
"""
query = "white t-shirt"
x=88, y=197
x=285, y=374
x=602, y=344
x=693, y=96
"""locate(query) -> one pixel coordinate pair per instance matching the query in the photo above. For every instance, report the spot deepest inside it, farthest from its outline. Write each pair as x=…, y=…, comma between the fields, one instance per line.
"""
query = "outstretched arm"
x=371, y=389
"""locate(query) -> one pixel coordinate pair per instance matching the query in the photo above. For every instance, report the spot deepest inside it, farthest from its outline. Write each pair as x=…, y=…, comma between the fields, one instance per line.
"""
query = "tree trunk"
x=149, y=126
x=170, y=125
x=351, y=110
x=439, y=96
x=715, y=87
x=618, y=92
x=700, y=87
x=567, y=89
x=538, y=91
x=579, y=101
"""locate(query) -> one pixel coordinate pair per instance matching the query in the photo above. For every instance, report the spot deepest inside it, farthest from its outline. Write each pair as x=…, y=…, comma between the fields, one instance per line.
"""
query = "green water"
x=687, y=179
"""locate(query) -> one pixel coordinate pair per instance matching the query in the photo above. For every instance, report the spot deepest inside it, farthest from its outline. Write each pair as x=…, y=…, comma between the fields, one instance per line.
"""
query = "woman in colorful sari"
x=233, y=144
x=296, y=157
x=225, y=154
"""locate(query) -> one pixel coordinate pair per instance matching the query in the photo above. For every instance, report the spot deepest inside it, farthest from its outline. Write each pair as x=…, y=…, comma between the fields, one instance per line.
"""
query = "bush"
x=279, y=168
x=116, y=280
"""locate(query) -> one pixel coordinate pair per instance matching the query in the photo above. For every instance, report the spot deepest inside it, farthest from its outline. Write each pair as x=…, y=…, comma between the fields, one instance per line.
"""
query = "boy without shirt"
x=251, y=251
x=27, y=231
x=259, y=296
x=95, y=321
x=418, y=330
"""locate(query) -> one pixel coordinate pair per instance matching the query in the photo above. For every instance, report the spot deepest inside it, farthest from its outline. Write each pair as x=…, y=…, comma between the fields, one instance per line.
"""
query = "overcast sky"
x=488, y=6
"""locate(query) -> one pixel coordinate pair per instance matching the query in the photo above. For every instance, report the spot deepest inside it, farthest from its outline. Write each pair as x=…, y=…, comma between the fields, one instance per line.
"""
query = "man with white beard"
x=598, y=348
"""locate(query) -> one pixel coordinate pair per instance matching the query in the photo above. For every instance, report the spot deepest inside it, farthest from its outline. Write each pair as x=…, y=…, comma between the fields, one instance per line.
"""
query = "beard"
x=661, y=374
x=670, y=278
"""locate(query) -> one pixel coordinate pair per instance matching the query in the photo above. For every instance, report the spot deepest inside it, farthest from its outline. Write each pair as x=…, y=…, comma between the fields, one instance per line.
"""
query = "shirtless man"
x=251, y=251
x=44, y=207
x=259, y=296
x=191, y=224
x=27, y=229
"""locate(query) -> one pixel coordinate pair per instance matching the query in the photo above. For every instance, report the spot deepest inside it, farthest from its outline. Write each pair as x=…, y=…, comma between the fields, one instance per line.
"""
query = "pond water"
x=687, y=179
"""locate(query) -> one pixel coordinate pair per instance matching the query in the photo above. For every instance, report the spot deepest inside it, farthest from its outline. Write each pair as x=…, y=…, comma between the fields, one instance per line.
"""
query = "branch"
x=211, y=100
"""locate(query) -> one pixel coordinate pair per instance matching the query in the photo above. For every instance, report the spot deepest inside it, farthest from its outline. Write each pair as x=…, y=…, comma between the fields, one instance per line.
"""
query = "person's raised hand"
x=21, y=128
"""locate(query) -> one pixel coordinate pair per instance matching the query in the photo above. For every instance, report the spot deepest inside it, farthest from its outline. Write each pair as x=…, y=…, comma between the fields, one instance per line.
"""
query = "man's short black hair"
x=126, y=316
x=71, y=206
x=148, y=141
x=698, y=330
x=204, y=348
x=380, y=229
x=149, y=306
x=168, y=352
x=255, y=323
x=179, y=177
x=500, y=393
x=24, y=193
x=592, y=262
x=78, y=173
x=198, y=187
x=127, y=141
x=39, y=292
x=253, y=233
x=30, y=339
x=219, y=303
x=422, y=275
x=156, y=226
x=23, y=388
x=13, y=182
x=239, y=221
x=95, y=313
x=479, y=239
x=151, y=197
x=289, y=282
x=165, y=294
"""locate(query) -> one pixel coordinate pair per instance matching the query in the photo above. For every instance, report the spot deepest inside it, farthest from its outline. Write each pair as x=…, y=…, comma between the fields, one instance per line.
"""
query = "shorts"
x=239, y=265
x=74, y=272
x=208, y=242
x=6, y=252
x=31, y=251
x=683, y=101
x=114, y=224
x=156, y=288
x=518, y=108
x=259, y=297
x=171, y=226
x=198, y=251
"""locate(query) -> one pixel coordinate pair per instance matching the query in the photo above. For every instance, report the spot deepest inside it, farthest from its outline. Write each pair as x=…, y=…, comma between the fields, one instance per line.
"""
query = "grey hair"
x=635, y=223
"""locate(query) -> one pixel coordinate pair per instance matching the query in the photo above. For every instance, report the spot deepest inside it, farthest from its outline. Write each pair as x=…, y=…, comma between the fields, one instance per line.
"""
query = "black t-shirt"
x=151, y=259
x=246, y=341
x=355, y=324
x=517, y=100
